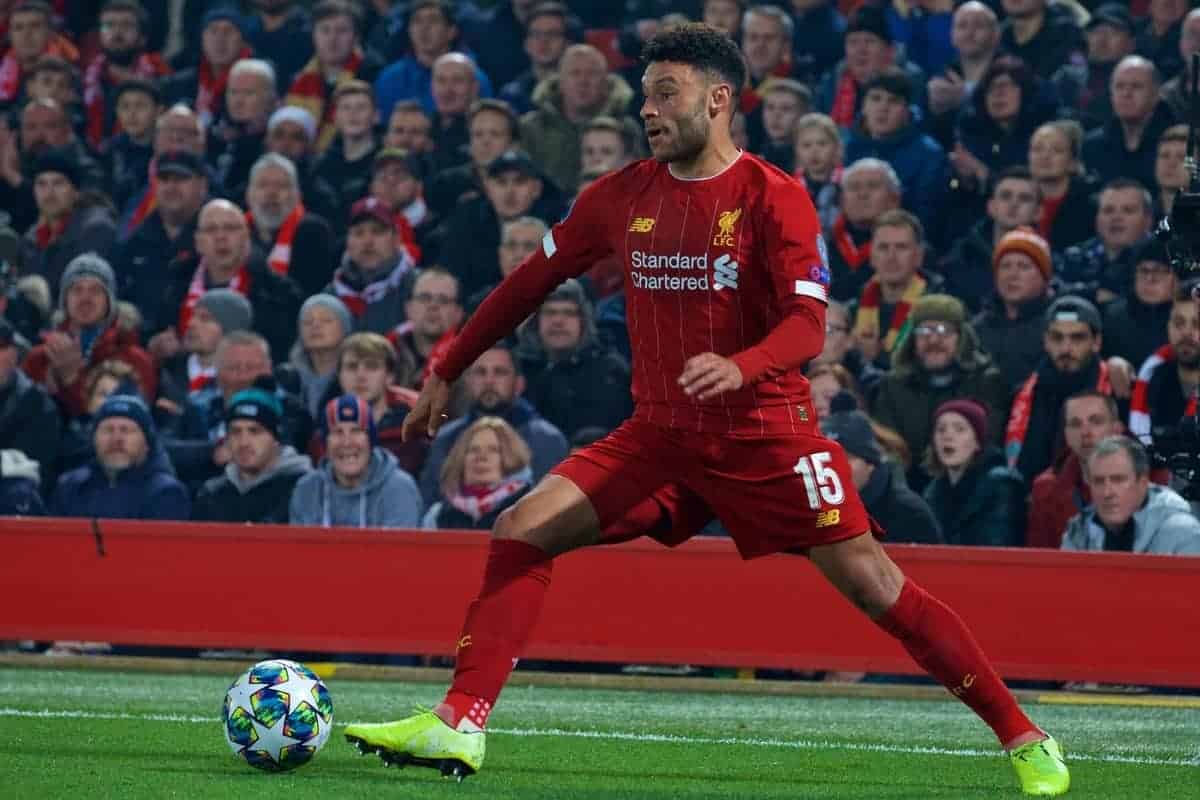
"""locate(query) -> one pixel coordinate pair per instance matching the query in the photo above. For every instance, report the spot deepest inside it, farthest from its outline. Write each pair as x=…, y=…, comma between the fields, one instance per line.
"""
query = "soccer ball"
x=277, y=715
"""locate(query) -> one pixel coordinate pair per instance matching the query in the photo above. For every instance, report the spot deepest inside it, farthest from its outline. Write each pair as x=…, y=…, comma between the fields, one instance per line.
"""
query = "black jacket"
x=1105, y=153
x=986, y=507
x=141, y=265
x=967, y=268
x=265, y=500
x=449, y=517
x=1075, y=221
x=90, y=229
x=30, y=422
x=313, y=256
x=1058, y=43
x=907, y=518
x=591, y=388
x=350, y=179
x=1132, y=329
x=1015, y=345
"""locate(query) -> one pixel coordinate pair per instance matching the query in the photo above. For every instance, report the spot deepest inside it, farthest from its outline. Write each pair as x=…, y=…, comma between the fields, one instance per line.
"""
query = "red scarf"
x=210, y=92
x=239, y=284
x=478, y=501
x=148, y=202
x=357, y=300
x=310, y=91
x=199, y=376
x=1022, y=408
x=854, y=255
x=280, y=258
x=48, y=232
x=11, y=74
x=148, y=65
x=845, y=100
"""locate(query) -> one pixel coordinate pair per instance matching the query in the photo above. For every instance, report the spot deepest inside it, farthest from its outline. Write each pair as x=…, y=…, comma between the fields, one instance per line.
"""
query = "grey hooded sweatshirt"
x=388, y=498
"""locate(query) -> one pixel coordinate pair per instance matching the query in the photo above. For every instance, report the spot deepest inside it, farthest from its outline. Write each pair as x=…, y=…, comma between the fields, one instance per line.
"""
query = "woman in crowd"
x=818, y=158
x=1068, y=213
x=486, y=472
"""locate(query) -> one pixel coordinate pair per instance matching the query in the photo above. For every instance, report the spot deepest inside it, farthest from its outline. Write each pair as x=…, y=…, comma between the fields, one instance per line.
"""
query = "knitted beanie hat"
x=1027, y=241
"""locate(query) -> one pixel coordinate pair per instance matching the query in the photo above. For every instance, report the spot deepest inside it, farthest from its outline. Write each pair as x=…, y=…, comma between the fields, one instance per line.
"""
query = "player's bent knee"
x=555, y=517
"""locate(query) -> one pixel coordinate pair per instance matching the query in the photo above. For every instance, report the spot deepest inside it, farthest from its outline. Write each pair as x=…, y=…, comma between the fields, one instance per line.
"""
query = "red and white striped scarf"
x=1139, y=402
x=357, y=300
x=11, y=74
x=148, y=65
x=1022, y=409
x=477, y=502
x=280, y=257
x=199, y=376
x=197, y=288
x=210, y=89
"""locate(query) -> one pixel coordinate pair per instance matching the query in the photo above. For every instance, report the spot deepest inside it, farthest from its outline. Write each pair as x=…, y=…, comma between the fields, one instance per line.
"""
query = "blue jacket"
x=147, y=491
x=917, y=158
x=409, y=79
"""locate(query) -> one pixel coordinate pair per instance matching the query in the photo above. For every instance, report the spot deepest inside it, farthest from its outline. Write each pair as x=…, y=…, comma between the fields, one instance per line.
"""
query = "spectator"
x=434, y=310
x=486, y=472
x=784, y=101
x=1126, y=145
x=346, y=164
x=493, y=128
x=1135, y=325
x=262, y=472
x=1109, y=39
x=1103, y=265
x=766, y=45
x=76, y=449
x=29, y=420
x=1068, y=212
x=1043, y=34
x=581, y=90
x=224, y=258
x=726, y=15
x=375, y=277
x=30, y=36
x=1129, y=514
x=883, y=491
x=609, y=144
x=548, y=30
x=1159, y=37
x=203, y=87
x=69, y=223
x=178, y=129
x=127, y=155
x=410, y=127
x=494, y=386
x=938, y=361
x=19, y=482
x=817, y=158
x=359, y=484
x=897, y=252
x=298, y=243
x=124, y=54
x=518, y=240
x=886, y=130
x=398, y=183
x=281, y=32
x=870, y=188
x=978, y=499
x=166, y=234
x=130, y=476
x=839, y=348
x=324, y=324
x=191, y=374
x=968, y=266
x=55, y=78
x=975, y=35
x=1012, y=321
x=291, y=133
x=88, y=336
x=1175, y=91
x=1060, y=492
x=569, y=376
x=1171, y=175
x=1168, y=376
x=238, y=137
x=338, y=57
x=818, y=31
x=1071, y=364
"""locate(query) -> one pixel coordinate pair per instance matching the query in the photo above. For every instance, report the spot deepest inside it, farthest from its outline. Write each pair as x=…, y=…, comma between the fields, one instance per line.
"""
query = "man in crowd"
x=291, y=133
x=1103, y=265
x=346, y=164
x=29, y=419
x=1044, y=35
x=398, y=183
x=203, y=87
x=1109, y=39
x=1126, y=145
x=30, y=36
x=870, y=188
x=456, y=88
x=870, y=49
x=178, y=129
x=192, y=372
x=493, y=128
x=129, y=476
x=128, y=152
x=547, y=34
x=1168, y=378
x=1175, y=91
x=975, y=35
x=766, y=32
x=375, y=277
x=494, y=386
x=298, y=243
x=434, y=310
x=280, y=31
x=518, y=239
x=609, y=144
x=237, y=139
x=1136, y=323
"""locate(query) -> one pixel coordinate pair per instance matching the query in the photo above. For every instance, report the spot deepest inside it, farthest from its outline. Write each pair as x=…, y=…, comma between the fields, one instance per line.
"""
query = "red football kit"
x=732, y=264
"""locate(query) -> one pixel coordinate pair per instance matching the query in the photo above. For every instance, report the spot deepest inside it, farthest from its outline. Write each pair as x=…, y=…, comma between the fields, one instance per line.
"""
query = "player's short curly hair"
x=701, y=46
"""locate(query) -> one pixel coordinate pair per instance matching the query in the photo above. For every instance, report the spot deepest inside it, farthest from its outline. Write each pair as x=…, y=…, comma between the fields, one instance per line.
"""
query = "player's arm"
x=800, y=283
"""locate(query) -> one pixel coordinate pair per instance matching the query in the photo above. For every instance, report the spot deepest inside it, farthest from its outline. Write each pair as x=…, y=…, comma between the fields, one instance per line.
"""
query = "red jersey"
x=733, y=264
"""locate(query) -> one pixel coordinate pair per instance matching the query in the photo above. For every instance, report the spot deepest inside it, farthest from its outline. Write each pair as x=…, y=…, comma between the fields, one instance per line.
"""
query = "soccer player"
x=726, y=282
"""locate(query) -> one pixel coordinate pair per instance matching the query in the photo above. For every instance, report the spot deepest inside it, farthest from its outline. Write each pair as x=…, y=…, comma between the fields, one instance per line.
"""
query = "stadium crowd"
x=234, y=238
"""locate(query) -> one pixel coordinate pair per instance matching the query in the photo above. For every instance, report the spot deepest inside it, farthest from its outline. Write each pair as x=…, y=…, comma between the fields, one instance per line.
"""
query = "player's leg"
x=940, y=642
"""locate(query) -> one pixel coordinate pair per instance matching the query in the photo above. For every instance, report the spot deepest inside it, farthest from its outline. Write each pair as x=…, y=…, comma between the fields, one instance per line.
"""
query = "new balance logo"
x=641, y=225
x=725, y=273
x=827, y=518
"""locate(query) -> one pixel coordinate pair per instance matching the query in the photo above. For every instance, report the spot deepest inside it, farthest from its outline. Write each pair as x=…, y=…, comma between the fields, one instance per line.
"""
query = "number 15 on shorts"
x=821, y=481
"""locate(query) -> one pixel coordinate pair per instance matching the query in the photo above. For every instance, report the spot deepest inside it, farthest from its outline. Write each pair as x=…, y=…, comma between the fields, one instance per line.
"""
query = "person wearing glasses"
x=940, y=360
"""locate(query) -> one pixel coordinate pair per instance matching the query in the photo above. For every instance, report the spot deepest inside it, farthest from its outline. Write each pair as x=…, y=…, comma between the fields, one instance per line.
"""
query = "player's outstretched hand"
x=709, y=375
x=430, y=409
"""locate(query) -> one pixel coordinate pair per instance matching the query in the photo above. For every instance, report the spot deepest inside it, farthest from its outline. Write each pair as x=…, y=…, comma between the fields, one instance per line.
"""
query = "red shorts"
x=775, y=494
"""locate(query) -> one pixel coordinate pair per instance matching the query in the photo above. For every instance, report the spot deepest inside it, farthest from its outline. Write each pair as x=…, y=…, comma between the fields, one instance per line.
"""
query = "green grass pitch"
x=83, y=734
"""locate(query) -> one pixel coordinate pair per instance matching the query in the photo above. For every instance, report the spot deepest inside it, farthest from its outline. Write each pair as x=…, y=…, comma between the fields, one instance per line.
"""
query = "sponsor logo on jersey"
x=725, y=273
x=827, y=518
x=725, y=224
x=641, y=225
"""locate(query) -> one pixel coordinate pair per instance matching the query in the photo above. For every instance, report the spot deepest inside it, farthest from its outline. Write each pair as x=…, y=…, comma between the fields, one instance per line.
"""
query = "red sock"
x=498, y=624
x=940, y=642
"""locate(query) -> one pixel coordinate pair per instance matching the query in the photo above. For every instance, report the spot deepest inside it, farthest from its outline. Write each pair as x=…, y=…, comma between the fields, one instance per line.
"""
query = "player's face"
x=895, y=253
x=1015, y=202
x=492, y=381
x=203, y=333
x=484, y=463
x=1117, y=491
x=1070, y=345
x=1018, y=279
x=560, y=326
x=954, y=440
x=816, y=153
x=365, y=378
x=1087, y=422
x=1153, y=282
x=1183, y=332
x=1122, y=218
x=676, y=111
x=349, y=452
x=936, y=344
x=120, y=444
x=252, y=446
x=371, y=244
x=320, y=329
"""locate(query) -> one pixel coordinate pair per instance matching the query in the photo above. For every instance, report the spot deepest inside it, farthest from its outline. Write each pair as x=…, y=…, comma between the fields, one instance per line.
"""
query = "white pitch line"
x=666, y=738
